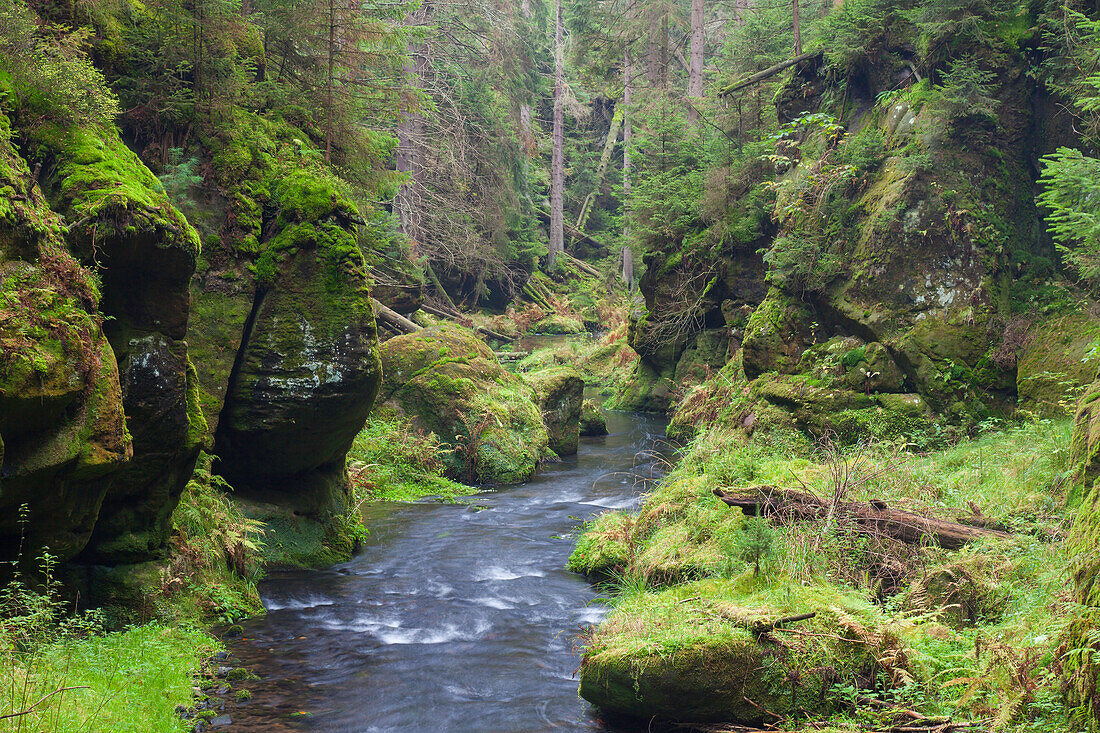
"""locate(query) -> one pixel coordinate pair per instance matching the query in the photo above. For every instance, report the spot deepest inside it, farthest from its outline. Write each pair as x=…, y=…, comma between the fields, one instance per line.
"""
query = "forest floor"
x=905, y=637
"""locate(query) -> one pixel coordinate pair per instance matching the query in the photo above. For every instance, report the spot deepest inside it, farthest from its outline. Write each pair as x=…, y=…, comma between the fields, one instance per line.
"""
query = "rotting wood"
x=762, y=627
x=395, y=319
x=766, y=73
x=873, y=517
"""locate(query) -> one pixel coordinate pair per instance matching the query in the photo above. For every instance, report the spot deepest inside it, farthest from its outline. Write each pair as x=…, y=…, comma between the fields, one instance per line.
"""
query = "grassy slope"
x=686, y=549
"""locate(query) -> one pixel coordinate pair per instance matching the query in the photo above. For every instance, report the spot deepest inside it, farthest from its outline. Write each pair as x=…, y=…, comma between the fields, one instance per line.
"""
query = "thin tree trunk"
x=601, y=169
x=331, y=75
x=409, y=157
x=526, y=132
x=628, y=93
x=797, y=32
x=695, y=72
x=557, y=163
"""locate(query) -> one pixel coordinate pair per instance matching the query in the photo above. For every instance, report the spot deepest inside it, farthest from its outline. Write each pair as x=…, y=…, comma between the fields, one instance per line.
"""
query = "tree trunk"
x=409, y=157
x=873, y=517
x=330, y=79
x=797, y=32
x=601, y=170
x=628, y=89
x=695, y=72
x=394, y=318
x=628, y=267
x=557, y=163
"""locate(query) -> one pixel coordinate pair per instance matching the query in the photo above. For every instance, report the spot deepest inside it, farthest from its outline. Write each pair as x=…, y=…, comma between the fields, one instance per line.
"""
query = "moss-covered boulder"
x=593, y=421
x=145, y=253
x=305, y=372
x=1057, y=359
x=560, y=393
x=62, y=425
x=451, y=384
x=695, y=652
x=1083, y=545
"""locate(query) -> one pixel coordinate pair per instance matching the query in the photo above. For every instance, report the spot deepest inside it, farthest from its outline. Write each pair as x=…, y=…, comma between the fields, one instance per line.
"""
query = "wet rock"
x=593, y=421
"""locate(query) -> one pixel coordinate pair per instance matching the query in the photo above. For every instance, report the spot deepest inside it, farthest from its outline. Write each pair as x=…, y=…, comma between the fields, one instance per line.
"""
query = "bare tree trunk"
x=409, y=157
x=330, y=79
x=526, y=134
x=797, y=32
x=601, y=169
x=628, y=93
x=695, y=72
x=557, y=163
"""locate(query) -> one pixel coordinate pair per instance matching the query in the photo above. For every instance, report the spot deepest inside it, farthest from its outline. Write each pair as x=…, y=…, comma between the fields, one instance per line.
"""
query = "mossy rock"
x=604, y=546
x=1057, y=362
x=688, y=654
x=645, y=390
x=1083, y=545
x=777, y=333
x=450, y=383
x=593, y=421
x=557, y=324
x=560, y=393
x=963, y=591
x=62, y=424
x=1085, y=443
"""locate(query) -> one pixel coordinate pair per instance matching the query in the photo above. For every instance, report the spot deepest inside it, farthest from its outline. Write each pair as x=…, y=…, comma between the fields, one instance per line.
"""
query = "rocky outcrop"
x=450, y=383
x=1083, y=546
x=560, y=394
x=62, y=425
x=286, y=347
x=145, y=252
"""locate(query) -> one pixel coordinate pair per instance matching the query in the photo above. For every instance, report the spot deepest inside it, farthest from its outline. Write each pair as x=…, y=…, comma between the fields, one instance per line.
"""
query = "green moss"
x=689, y=654
x=1057, y=362
x=450, y=384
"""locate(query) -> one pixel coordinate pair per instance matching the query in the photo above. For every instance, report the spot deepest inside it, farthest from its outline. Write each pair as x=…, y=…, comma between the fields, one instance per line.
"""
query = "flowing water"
x=454, y=617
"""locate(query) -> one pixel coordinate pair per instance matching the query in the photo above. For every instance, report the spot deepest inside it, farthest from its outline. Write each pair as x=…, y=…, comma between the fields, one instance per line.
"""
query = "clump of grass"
x=390, y=461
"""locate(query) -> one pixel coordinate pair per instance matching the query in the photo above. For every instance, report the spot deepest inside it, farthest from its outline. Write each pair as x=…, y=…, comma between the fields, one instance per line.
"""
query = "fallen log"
x=395, y=319
x=872, y=517
x=464, y=321
x=768, y=72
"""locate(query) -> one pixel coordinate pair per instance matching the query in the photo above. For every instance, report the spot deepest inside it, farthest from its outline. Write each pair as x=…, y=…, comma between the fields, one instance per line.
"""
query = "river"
x=453, y=617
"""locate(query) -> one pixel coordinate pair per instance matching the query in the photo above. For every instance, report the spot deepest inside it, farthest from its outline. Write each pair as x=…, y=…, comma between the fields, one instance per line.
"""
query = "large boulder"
x=145, y=252
x=560, y=393
x=450, y=383
x=304, y=377
x=62, y=425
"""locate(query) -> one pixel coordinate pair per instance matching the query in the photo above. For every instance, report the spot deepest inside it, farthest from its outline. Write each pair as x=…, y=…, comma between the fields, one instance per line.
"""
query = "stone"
x=448, y=382
x=593, y=421
x=560, y=393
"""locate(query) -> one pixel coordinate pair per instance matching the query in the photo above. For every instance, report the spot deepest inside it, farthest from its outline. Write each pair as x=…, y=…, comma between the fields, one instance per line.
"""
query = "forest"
x=597, y=365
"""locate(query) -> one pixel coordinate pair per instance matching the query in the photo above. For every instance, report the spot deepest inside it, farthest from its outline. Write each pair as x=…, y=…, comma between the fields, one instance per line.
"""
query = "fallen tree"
x=873, y=517
x=393, y=318
x=464, y=321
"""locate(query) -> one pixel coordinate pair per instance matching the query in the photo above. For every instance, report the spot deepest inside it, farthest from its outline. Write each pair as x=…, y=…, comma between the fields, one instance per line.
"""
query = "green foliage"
x=389, y=461
x=1071, y=193
x=50, y=70
x=61, y=673
x=755, y=543
x=965, y=92
x=217, y=554
x=801, y=262
x=180, y=179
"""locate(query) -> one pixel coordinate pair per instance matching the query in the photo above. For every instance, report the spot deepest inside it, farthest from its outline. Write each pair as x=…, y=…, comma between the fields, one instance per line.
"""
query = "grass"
x=61, y=673
x=683, y=555
x=389, y=461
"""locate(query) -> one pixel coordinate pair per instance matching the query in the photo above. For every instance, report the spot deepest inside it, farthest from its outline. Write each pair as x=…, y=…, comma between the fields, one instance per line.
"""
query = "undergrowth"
x=389, y=461
x=62, y=673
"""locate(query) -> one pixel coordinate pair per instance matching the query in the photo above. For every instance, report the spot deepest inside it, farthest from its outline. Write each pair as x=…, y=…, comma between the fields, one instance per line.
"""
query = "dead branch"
x=766, y=73
x=393, y=318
